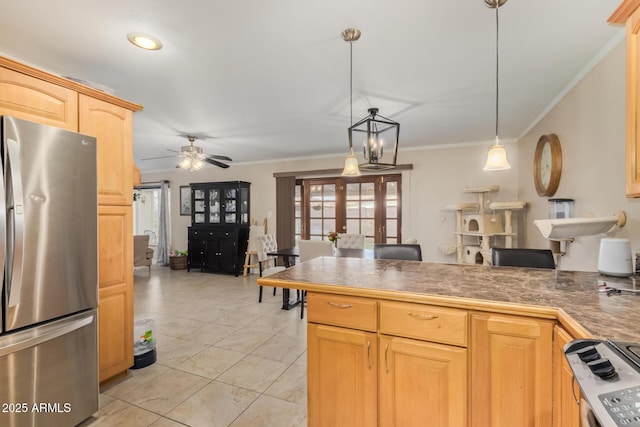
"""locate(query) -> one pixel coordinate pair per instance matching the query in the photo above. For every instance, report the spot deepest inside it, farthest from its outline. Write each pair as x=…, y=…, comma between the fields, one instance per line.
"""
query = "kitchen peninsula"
x=452, y=344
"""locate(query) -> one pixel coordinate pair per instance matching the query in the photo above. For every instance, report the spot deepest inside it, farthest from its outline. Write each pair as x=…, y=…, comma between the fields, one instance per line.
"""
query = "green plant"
x=179, y=253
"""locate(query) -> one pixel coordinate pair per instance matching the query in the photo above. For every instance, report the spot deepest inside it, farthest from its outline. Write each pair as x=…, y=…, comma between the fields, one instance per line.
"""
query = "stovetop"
x=608, y=373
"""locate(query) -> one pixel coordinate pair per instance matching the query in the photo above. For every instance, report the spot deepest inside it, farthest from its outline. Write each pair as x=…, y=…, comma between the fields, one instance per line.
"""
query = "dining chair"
x=401, y=251
x=266, y=243
x=520, y=257
x=350, y=241
x=310, y=249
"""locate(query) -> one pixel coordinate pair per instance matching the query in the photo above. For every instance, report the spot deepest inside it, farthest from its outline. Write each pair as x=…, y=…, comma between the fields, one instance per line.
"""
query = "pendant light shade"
x=497, y=156
x=351, y=163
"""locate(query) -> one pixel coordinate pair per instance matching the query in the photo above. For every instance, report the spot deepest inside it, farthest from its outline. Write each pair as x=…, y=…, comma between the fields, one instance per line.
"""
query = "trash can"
x=144, y=344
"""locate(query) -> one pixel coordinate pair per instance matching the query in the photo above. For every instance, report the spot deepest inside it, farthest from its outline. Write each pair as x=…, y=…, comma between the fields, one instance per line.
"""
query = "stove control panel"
x=609, y=381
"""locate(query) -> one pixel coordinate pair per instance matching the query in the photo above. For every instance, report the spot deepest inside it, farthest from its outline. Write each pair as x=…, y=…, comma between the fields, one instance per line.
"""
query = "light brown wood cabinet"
x=35, y=95
x=566, y=393
x=30, y=98
x=511, y=371
x=342, y=385
x=628, y=13
x=384, y=363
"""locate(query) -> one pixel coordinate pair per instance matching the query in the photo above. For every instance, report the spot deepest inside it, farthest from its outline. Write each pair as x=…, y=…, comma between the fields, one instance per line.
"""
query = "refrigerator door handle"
x=14, y=271
x=33, y=338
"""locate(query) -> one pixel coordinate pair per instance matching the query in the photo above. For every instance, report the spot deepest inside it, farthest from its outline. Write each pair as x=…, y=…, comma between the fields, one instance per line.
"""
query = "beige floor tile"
x=174, y=351
x=121, y=414
x=302, y=360
x=290, y=386
x=272, y=412
x=175, y=326
x=244, y=340
x=282, y=348
x=209, y=334
x=166, y=422
x=253, y=373
x=136, y=379
x=162, y=393
x=237, y=319
x=216, y=404
x=211, y=362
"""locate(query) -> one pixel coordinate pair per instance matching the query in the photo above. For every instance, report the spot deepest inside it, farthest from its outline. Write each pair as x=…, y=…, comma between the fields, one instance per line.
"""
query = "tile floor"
x=223, y=359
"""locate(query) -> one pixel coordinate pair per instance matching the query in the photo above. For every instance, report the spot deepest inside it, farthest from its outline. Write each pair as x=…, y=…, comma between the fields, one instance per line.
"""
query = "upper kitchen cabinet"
x=628, y=13
x=36, y=100
x=112, y=126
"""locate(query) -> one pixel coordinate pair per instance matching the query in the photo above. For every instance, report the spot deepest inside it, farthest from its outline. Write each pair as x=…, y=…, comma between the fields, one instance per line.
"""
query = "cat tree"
x=477, y=228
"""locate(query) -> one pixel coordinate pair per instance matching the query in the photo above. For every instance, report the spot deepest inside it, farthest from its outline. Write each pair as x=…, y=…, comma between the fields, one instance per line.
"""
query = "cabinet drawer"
x=424, y=322
x=350, y=312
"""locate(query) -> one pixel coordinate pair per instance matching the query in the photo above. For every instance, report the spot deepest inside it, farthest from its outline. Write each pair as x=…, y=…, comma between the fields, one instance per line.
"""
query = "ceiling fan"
x=192, y=157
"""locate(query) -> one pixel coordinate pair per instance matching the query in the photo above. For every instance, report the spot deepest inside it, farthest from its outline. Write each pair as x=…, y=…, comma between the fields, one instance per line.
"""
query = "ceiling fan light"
x=185, y=163
x=196, y=164
x=497, y=158
x=351, y=165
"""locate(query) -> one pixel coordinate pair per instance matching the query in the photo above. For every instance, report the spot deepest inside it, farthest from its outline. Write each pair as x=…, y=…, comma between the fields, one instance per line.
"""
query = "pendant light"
x=497, y=156
x=351, y=163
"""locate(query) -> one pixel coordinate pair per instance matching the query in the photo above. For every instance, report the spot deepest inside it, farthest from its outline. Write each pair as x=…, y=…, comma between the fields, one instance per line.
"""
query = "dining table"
x=288, y=256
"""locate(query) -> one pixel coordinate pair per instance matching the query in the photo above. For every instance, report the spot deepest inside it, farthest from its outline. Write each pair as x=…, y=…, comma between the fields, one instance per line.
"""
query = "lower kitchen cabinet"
x=566, y=393
x=358, y=371
x=422, y=383
x=511, y=371
x=342, y=377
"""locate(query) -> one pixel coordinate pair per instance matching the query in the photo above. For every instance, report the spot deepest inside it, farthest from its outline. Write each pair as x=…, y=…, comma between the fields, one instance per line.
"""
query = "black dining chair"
x=401, y=251
x=519, y=257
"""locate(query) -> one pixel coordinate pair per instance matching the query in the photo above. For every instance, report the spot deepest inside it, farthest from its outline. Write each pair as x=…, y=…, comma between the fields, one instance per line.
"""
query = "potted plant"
x=178, y=260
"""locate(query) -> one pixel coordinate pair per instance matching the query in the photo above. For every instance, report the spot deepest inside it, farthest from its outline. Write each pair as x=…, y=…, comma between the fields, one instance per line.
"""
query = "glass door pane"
x=322, y=210
x=214, y=206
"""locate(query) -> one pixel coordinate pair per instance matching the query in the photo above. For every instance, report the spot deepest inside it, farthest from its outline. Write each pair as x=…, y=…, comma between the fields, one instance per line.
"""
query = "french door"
x=369, y=205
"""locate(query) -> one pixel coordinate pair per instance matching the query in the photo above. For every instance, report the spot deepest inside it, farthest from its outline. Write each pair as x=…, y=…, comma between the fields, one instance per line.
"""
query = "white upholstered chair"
x=310, y=249
x=264, y=244
x=350, y=241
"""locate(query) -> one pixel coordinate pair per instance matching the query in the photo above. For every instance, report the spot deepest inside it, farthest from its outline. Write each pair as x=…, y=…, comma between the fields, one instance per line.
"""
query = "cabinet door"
x=196, y=248
x=115, y=291
x=511, y=371
x=112, y=126
x=422, y=383
x=36, y=100
x=342, y=377
x=228, y=256
x=633, y=105
x=566, y=411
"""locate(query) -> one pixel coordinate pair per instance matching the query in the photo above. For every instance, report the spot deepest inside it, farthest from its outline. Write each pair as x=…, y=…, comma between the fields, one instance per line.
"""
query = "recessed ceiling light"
x=145, y=41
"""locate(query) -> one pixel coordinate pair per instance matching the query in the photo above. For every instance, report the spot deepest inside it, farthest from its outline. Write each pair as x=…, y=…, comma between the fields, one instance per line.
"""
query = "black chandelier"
x=376, y=131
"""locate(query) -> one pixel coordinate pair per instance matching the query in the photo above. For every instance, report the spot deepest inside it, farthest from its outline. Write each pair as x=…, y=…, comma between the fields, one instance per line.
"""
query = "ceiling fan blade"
x=173, y=151
x=154, y=158
x=215, y=162
x=215, y=156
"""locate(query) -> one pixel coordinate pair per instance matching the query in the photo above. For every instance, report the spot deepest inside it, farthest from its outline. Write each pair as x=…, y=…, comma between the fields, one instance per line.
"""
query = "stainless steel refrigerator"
x=49, y=255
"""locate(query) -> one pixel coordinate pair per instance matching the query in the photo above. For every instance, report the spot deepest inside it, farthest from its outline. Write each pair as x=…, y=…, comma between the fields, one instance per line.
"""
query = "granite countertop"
x=539, y=292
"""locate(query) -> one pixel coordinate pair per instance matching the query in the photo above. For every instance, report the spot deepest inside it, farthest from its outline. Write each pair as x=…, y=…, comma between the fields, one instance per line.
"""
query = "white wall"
x=590, y=122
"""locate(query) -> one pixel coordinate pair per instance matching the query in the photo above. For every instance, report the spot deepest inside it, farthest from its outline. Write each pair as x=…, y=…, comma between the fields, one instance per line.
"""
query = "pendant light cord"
x=350, y=89
x=497, y=65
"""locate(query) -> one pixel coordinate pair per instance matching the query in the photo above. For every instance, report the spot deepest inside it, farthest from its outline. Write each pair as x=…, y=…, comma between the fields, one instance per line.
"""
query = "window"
x=369, y=205
x=146, y=213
